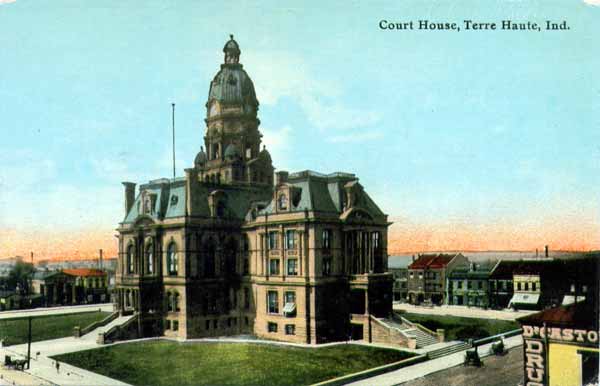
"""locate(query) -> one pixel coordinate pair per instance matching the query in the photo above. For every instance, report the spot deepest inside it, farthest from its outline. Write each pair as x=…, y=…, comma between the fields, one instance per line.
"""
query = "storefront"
x=561, y=346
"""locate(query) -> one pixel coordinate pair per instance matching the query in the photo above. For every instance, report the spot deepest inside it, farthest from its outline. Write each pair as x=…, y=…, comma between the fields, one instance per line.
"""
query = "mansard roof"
x=323, y=193
x=171, y=198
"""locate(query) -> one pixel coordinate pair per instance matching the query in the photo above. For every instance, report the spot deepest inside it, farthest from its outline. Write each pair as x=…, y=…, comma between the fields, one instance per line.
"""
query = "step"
x=448, y=350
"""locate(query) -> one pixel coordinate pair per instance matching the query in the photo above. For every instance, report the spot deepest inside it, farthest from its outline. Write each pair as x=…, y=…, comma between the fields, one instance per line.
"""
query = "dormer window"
x=283, y=202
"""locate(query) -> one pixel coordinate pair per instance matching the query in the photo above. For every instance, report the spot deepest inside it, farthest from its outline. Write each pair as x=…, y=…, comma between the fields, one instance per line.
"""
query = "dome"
x=232, y=152
x=264, y=154
x=232, y=47
x=232, y=85
x=201, y=158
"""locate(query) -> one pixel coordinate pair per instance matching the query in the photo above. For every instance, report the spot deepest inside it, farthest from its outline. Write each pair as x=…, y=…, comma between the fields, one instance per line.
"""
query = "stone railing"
x=79, y=332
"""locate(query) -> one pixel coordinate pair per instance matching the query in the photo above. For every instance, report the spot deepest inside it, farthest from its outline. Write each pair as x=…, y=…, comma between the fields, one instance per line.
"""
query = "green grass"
x=171, y=363
x=14, y=331
x=460, y=328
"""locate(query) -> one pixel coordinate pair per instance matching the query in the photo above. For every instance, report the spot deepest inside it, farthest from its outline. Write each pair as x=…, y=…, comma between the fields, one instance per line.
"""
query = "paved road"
x=462, y=311
x=419, y=370
x=43, y=367
x=107, y=307
x=505, y=370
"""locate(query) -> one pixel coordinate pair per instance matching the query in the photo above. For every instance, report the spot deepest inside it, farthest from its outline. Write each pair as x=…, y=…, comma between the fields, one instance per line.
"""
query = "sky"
x=468, y=140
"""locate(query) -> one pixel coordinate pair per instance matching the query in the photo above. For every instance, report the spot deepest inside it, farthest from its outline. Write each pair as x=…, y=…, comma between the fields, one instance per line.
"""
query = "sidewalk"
x=431, y=366
x=43, y=368
x=107, y=307
x=463, y=311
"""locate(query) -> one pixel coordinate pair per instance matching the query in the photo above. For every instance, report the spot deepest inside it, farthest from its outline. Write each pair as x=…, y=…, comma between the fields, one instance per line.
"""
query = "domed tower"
x=232, y=137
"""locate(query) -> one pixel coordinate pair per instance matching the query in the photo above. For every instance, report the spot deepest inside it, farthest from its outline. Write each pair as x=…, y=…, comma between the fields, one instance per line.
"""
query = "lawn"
x=14, y=331
x=172, y=363
x=460, y=328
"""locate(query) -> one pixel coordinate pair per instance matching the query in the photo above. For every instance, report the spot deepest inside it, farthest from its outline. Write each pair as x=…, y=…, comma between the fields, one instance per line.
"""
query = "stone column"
x=74, y=294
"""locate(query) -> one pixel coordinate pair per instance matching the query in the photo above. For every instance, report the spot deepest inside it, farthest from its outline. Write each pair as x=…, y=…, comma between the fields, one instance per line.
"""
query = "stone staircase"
x=447, y=350
x=423, y=338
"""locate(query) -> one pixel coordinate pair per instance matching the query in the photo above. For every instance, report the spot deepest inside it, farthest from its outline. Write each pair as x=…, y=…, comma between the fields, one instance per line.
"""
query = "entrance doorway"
x=356, y=331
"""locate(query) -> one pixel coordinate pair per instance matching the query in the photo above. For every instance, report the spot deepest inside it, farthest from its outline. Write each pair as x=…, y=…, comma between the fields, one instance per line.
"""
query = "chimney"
x=100, y=259
x=129, y=195
x=31, y=257
x=546, y=247
x=536, y=253
x=413, y=257
x=281, y=177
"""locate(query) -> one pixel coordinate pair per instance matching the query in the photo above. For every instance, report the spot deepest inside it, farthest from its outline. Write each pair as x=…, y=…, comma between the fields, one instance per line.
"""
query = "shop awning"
x=570, y=299
x=289, y=308
x=524, y=299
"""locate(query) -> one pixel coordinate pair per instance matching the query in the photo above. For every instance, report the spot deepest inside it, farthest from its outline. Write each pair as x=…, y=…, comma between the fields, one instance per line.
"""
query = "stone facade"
x=227, y=250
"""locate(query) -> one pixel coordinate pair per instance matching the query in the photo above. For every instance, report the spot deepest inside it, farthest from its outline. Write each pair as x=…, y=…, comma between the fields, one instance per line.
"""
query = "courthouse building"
x=233, y=248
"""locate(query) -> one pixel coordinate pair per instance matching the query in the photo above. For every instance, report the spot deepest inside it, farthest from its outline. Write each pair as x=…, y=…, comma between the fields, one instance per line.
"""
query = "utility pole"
x=29, y=345
x=173, y=124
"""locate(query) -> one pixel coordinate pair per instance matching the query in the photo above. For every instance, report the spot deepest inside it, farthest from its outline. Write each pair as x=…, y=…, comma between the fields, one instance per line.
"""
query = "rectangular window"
x=246, y=298
x=290, y=329
x=326, y=266
x=272, y=327
x=519, y=286
x=534, y=286
x=292, y=267
x=375, y=238
x=168, y=324
x=273, y=236
x=526, y=286
x=207, y=324
x=480, y=284
x=412, y=275
x=175, y=325
x=272, y=302
x=327, y=239
x=274, y=267
x=290, y=297
x=290, y=239
x=246, y=266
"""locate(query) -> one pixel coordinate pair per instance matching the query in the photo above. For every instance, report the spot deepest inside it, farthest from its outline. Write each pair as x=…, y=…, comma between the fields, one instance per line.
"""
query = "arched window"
x=283, y=202
x=150, y=258
x=130, y=259
x=175, y=306
x=172, y=263
x=169, y=302
x=221, y=209
x=209, y=260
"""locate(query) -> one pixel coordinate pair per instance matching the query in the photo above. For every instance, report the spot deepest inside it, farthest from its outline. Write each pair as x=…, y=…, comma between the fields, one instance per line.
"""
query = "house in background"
x=469, y=285
x=71, y=286
x=427, y=277
x=399, y=270
x=501, y=283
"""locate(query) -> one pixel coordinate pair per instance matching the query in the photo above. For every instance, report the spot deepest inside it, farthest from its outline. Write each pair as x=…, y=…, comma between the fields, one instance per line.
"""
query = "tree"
x=20, y=276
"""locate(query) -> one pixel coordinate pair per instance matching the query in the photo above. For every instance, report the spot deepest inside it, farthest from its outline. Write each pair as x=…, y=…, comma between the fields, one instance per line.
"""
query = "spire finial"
x=231, y=36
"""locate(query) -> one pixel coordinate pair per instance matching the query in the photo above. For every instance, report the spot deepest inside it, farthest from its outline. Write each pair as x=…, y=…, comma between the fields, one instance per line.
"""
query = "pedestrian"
x=57, y=367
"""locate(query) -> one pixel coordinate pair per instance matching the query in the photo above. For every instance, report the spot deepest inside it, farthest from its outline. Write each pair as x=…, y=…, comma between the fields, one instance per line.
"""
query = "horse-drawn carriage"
x=17, y=364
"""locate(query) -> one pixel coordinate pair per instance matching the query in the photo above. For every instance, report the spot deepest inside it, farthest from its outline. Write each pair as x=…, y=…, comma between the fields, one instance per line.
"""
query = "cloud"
x=279, y=75
x=7, y=1
x=592, y=2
